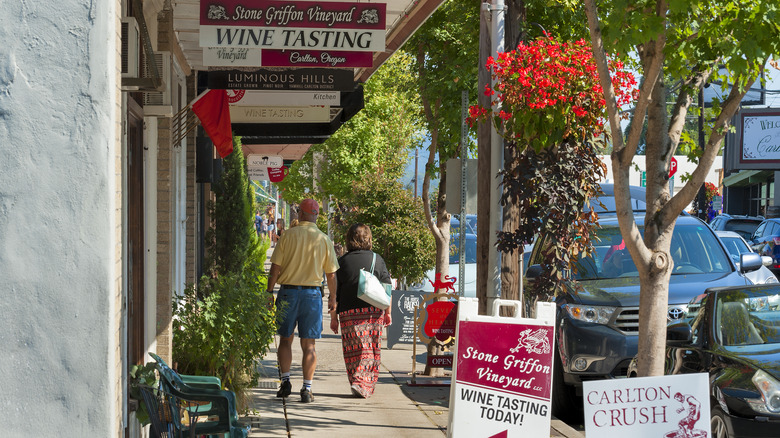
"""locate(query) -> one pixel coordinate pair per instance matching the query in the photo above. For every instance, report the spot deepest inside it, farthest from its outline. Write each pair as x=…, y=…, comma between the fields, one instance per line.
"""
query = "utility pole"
x=415, y=172
x=701, y=197
x=510, y=262
x=484, y=180
x=489, y=161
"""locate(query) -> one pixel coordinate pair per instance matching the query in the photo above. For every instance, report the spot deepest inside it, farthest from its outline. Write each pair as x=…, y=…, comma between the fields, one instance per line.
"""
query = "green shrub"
x=230, y=235
x=225, y=324
x=397, y=224
x=142, y=375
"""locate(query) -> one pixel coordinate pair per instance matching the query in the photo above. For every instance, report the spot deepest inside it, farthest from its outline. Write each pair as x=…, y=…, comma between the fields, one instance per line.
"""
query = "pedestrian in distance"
x=339, y=249
x=271, y=232
x=301, y=257
x=263, y=227
x=361, y=324
x=279, y=228
x=259, y=223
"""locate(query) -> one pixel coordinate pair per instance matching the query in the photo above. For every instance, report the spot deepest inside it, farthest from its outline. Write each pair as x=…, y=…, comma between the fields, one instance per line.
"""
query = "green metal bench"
x=203, y=408
x=190, y=380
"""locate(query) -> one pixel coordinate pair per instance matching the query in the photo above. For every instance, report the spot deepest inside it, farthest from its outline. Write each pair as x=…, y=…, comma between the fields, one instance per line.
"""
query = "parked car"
x=766, y=241
x=598, y=311
x=745, y=226
x=471, y=224
x=736, y=246
x=733, y=334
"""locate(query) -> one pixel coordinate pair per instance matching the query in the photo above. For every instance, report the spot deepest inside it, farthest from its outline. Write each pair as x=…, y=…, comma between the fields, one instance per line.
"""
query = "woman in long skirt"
x=361, y=323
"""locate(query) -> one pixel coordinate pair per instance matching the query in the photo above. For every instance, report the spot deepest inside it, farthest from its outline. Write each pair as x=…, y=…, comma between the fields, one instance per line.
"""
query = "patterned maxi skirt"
x=361, y=339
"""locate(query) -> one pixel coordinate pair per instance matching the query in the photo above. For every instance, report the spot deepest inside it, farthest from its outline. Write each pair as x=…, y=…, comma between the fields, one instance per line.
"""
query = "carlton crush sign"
x=502, y=374
x=676, y=406
x=326, y=26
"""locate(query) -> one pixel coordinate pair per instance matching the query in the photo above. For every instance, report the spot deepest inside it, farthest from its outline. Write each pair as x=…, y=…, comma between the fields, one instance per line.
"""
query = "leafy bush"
x=397, y=225
x=145, y=375
x=229, y=238
x=225, y=331
x=223, y=324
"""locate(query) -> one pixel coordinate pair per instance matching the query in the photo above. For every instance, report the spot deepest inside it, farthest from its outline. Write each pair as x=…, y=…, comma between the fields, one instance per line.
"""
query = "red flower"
x=554, y=87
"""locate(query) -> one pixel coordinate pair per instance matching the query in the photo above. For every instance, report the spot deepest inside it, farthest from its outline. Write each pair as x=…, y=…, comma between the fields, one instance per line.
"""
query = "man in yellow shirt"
x=301, y=256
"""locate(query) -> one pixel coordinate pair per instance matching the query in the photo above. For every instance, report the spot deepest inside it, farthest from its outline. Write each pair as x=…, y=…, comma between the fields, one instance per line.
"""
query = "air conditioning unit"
x=158, y=102
x=131, y=48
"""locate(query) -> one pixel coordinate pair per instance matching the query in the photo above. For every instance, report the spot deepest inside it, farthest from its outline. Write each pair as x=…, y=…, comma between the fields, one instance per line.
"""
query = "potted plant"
x=145, y=375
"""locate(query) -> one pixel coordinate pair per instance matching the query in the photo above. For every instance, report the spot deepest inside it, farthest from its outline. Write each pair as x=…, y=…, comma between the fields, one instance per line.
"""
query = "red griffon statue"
x=448, y=283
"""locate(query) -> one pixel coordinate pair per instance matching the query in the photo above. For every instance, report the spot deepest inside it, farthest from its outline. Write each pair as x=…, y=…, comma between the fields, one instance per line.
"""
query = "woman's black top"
x=349, y=273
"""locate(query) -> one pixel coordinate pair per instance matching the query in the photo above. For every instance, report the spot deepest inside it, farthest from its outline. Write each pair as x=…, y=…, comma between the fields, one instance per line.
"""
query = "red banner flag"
x=214, y=114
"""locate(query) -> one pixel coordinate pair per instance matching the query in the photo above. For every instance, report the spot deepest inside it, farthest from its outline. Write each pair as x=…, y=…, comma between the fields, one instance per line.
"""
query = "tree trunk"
x=442, y=239
x=440, y=228
x=656, y=271
x=653, y=305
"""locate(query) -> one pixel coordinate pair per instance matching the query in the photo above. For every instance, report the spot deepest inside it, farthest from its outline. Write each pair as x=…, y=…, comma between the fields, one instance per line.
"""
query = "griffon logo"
x=217, y=13
x=369, y=16
x=536, y=342
x=444, y=283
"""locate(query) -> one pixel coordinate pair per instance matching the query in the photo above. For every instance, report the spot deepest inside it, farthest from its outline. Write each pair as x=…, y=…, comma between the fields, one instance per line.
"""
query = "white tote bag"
x=371, y=290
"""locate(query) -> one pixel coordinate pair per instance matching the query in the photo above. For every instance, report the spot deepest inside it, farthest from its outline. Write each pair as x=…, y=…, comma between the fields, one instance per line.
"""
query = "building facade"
x=103, y=188
x=100, y=209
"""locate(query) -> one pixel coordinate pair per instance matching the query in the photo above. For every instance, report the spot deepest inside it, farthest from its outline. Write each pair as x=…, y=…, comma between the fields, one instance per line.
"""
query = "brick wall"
x=193, y=240
x=165, y=209
x=164, y=239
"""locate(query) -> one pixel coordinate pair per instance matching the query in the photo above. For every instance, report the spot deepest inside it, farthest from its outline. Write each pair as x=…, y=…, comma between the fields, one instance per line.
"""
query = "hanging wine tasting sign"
x=357, y=27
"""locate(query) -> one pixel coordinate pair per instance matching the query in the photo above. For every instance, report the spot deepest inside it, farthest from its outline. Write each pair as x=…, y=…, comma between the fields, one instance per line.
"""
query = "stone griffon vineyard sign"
x=300, y=25
x=502, y=372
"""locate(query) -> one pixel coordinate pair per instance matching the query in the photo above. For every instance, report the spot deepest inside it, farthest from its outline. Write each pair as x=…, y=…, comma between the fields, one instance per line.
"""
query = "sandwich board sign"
x=502, y=372
x=676, y=406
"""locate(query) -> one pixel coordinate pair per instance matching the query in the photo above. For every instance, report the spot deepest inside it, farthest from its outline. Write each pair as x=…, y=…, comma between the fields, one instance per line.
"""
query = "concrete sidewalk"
x=395, y=410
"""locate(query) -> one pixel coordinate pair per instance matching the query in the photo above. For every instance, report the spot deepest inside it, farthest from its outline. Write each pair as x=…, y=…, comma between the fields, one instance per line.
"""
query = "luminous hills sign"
x=304, y=79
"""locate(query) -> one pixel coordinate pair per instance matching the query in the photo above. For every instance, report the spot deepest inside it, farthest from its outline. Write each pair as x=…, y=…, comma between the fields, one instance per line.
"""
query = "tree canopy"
x=682, y=44
x=376, y=139
x=396, y=220
x=359, y=167
x=446, y=54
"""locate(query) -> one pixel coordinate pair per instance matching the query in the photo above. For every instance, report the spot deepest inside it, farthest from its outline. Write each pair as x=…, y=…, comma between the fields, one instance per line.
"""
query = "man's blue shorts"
x=302, y=307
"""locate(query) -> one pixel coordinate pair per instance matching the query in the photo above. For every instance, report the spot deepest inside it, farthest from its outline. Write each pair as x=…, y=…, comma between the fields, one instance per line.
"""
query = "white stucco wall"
x=59, y=201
